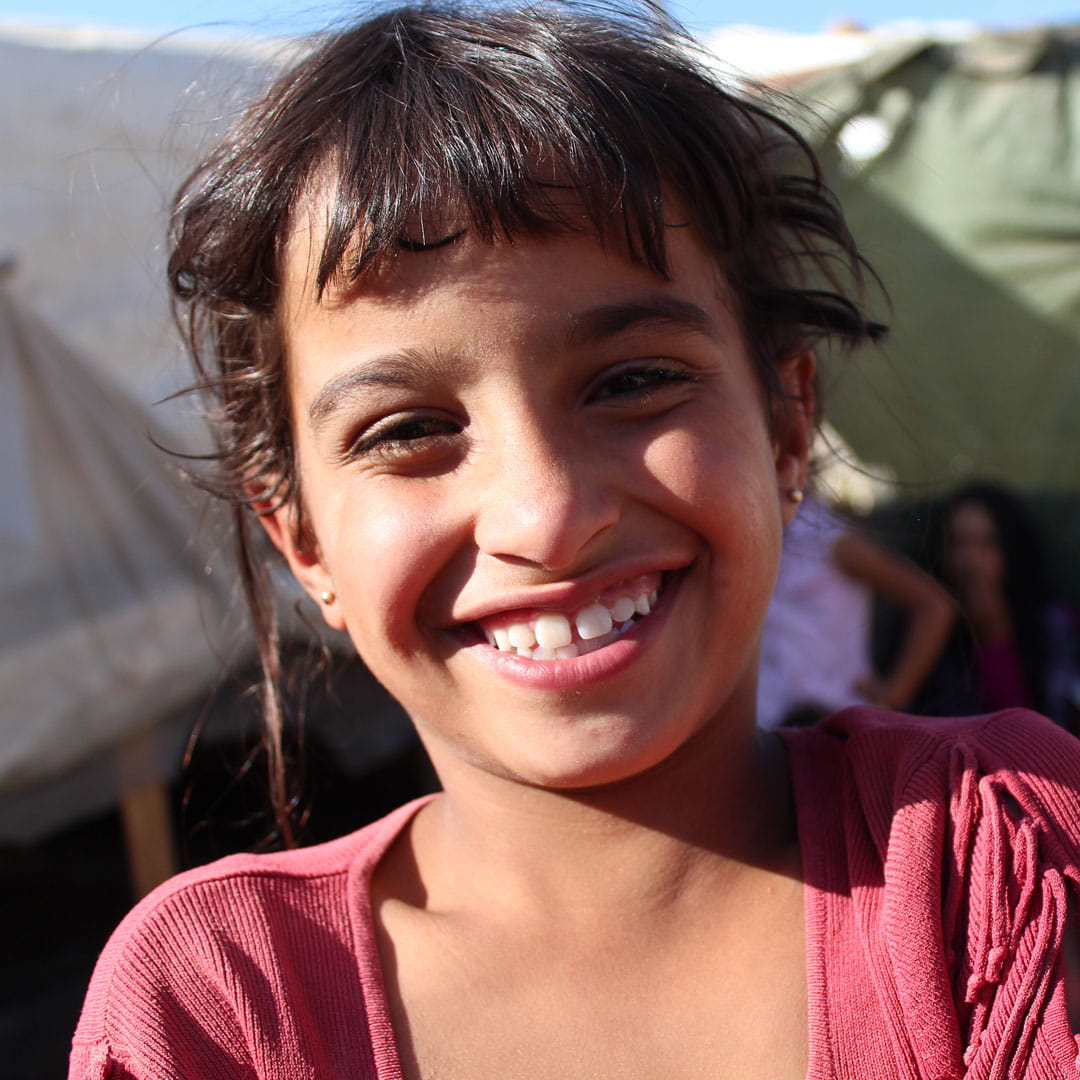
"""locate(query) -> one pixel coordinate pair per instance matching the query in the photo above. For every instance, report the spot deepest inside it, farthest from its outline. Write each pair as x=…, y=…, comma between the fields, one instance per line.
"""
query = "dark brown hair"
x=421, y=107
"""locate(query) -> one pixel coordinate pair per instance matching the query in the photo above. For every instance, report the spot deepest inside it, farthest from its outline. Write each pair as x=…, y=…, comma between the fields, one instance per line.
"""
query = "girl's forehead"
x=971, y=516
x=381, y=244
x=440, y=244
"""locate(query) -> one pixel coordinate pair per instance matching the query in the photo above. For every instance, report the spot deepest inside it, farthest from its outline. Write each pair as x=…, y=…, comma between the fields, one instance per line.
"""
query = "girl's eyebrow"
x=665, y=311
x=400, y=370
x=405, y=369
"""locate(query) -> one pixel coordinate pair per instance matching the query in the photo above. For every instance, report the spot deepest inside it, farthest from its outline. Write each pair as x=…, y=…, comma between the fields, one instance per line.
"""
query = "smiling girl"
x=509, y=319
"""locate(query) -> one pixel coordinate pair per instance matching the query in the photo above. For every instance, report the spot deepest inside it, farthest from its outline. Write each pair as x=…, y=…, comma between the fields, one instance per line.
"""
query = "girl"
x=508, y=316
x=1017, y=643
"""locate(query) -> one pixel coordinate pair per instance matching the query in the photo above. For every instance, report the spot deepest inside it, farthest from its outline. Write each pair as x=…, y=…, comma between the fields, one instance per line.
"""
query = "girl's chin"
x=594, y=756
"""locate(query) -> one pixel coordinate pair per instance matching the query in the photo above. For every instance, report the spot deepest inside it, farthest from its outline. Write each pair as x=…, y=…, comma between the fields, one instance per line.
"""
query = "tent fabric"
x=108, y=619
x=958, y=164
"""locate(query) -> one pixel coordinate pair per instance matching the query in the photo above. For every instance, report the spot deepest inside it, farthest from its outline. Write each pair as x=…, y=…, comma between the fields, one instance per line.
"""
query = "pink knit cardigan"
x=938, y=858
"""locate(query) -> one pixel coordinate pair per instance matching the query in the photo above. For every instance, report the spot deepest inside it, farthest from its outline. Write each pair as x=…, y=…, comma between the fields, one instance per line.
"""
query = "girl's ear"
x=282, y=522
x=794, y=420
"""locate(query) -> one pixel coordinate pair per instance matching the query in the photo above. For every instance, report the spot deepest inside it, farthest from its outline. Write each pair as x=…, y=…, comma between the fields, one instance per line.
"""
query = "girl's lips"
x=551, y=634
x=600, y=657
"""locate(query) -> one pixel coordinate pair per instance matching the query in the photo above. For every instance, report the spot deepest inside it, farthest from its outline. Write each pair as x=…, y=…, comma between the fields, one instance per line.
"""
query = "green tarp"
x=959, y=167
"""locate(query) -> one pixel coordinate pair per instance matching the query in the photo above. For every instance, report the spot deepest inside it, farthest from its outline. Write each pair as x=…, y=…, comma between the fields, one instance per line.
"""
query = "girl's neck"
x=679, y=831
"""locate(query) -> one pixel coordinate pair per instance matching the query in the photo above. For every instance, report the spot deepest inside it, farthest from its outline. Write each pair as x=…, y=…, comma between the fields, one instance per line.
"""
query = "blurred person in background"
x=1016, y=642
x=816, y=645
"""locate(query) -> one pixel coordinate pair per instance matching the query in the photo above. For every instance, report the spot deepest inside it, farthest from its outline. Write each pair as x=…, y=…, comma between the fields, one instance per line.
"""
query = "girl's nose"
x=544, y=501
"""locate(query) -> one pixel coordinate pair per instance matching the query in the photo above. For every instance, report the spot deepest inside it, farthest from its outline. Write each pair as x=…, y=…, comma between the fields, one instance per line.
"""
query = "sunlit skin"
x=494, y=429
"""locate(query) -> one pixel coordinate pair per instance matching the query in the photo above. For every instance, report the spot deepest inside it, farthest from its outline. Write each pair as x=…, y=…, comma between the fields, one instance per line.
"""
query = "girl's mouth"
x=558, y=635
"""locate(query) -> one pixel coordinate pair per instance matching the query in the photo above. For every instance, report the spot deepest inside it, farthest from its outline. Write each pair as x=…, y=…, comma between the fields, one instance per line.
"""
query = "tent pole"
x=148, y=836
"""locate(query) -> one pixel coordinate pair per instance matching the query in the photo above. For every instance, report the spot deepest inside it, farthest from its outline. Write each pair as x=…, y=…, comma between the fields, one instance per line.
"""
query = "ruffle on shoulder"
x=1006, y=910
x=979, y=842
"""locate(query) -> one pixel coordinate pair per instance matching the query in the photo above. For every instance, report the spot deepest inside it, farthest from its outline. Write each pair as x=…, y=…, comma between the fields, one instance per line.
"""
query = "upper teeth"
x=594, y=620
x=551, y=635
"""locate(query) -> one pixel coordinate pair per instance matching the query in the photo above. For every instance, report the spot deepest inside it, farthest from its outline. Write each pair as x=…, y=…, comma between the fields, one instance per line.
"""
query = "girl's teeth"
x=552, y=631
x=550, y=636
x=521, y=636
x=593, y=622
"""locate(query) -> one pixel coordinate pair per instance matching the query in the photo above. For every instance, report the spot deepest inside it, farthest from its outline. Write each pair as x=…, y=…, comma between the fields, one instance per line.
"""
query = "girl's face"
x=974, y=558
x=546, y=496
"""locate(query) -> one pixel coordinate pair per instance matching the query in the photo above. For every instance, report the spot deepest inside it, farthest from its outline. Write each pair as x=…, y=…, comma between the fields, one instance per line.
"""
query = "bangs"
x=521, y=122
x=439, y=132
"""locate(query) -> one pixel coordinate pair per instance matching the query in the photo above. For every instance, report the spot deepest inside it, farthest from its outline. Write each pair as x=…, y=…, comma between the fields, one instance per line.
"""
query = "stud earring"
x=795, y=494
x=327, y=597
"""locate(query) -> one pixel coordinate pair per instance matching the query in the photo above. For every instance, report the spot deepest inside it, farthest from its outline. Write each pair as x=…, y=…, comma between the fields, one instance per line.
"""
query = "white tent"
x=97, y=132
x=107, y=613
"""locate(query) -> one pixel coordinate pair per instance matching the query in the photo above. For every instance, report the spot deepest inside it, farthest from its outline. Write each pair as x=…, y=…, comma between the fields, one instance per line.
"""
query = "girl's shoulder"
x=939, y=855
x=892, y=762
x=279, y=879
x=1015, y=742
x=209, y=964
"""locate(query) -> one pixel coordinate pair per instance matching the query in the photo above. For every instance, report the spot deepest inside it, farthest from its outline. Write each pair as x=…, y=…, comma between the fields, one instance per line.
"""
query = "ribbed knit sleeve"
x=255, y=967
x=940, y=856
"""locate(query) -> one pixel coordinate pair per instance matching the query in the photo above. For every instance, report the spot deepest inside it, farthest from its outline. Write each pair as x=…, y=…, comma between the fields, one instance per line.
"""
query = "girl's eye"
x=402, y=437
x=640, y=382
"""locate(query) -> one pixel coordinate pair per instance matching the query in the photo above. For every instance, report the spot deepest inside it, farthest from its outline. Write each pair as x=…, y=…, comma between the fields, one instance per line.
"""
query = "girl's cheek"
x=702, y=471
x=686, y=466
x=392, y=550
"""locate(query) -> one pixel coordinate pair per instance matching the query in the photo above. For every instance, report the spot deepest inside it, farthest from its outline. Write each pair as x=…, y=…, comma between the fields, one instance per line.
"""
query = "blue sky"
x=274, y=16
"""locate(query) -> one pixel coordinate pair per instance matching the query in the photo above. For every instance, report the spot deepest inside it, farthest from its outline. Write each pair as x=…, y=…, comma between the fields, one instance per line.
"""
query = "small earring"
x=327, y=597
x=795, y=494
